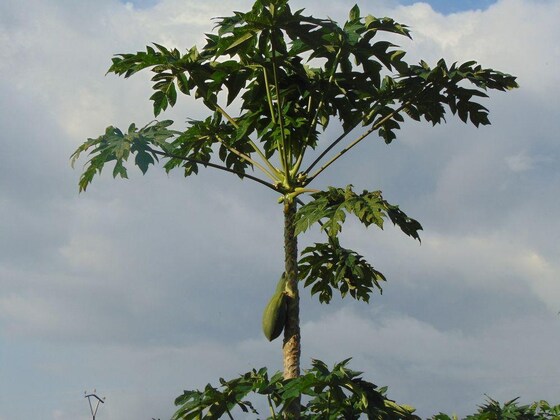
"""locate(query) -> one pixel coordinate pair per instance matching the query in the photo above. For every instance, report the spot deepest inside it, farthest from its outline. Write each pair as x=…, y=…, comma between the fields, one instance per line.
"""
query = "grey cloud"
x=145, y=286
x=425, y=367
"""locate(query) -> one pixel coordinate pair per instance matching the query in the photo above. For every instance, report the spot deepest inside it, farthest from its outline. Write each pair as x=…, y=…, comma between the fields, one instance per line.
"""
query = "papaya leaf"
x=331, y=393
x=330, y=208
x=117, y=146
x=328, y=266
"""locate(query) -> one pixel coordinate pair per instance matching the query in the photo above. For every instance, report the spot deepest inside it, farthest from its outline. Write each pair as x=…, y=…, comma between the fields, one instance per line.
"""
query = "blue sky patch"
x=442, y=6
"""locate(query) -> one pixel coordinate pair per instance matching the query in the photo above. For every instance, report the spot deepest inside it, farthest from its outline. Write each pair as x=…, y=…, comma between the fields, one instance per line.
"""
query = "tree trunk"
x=292, y=338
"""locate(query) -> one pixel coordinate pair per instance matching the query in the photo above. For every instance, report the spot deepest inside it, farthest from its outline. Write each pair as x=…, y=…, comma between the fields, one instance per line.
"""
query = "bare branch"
x=373, y=128
x=213, y=165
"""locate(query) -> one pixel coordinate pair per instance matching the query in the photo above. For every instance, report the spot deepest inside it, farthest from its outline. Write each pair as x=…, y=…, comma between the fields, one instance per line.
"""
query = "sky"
x=144, y=287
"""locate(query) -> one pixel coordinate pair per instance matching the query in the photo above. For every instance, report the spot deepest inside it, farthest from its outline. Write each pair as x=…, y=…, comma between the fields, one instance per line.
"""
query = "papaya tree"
x=272, y=80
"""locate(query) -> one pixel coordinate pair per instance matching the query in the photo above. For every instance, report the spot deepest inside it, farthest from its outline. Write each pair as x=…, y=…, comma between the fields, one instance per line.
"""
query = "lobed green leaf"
x=327, y=267
x=117, y=146
x=330, y=208
x=331, y=394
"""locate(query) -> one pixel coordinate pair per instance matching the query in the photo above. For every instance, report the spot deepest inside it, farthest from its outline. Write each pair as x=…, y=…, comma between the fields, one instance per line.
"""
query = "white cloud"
x=520, y=162
x=498, y=263
x=424, y=366
x=488, y=262
x=524, y=161
x=502, y=36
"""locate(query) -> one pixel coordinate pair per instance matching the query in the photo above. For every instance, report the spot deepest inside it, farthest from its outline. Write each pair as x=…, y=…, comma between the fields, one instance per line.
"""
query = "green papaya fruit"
x=274, y=315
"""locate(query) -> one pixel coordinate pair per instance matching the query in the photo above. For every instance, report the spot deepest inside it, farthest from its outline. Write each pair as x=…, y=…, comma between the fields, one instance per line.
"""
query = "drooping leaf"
x=331, y=206
x=117, y=146
x=143, y=159
x=327, y=267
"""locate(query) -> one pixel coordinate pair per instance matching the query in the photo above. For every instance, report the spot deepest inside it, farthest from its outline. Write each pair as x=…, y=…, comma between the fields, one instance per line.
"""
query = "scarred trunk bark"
x=292, y=338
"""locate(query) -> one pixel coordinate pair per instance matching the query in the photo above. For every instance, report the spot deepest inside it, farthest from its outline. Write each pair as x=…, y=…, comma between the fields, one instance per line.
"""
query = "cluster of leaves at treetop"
x=272, y=79
x=265, y=59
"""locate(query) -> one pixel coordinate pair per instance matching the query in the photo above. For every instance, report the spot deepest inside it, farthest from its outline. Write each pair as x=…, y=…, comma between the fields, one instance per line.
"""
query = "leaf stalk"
x=213, y=165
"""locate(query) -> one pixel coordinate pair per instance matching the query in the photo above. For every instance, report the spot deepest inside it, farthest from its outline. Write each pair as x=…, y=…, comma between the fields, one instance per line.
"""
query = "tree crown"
x=286, y=76
x=272, y=80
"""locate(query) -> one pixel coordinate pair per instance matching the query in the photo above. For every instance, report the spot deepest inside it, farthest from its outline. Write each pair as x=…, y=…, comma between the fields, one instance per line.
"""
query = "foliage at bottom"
x=339, y=393
x=493, y=410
